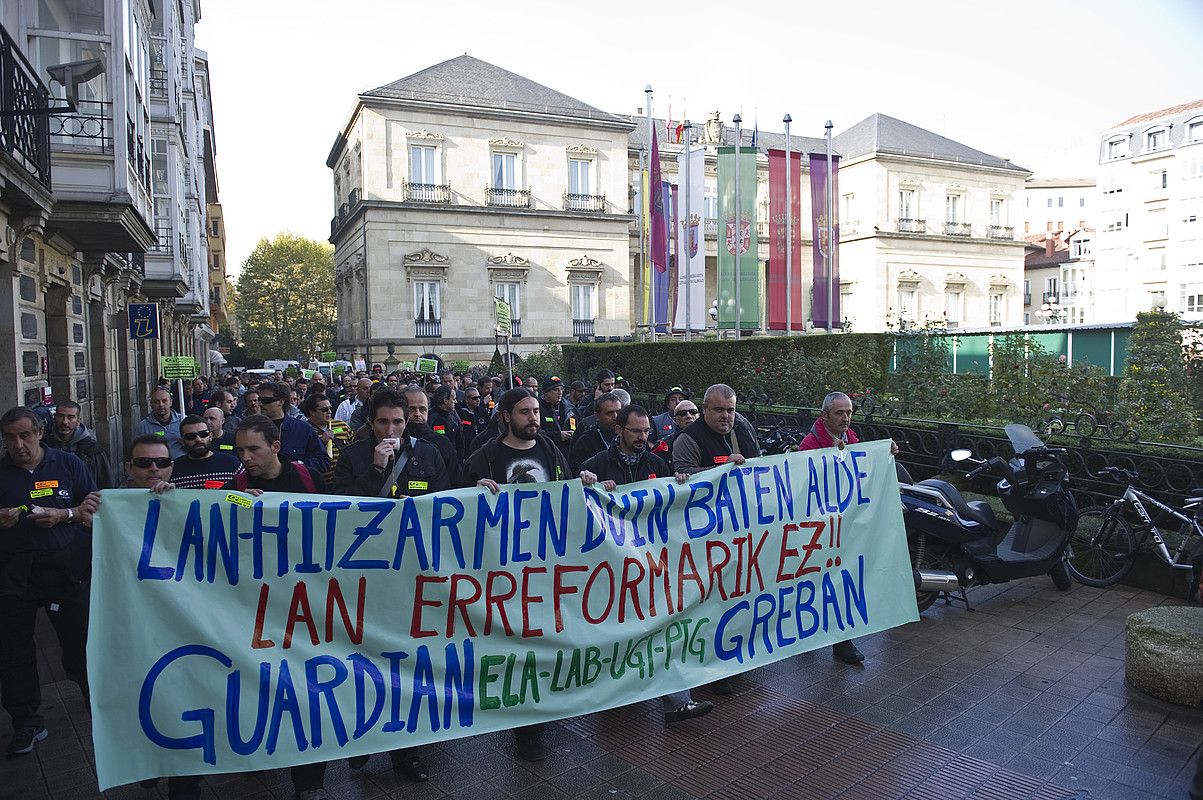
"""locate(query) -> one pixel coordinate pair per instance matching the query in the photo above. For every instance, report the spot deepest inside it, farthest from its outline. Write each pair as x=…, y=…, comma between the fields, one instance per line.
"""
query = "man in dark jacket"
x=298, y=440
x=473, y=417
x=417, y=406
x=71, y=436
x=629, y=460
x=596, y=438
x=555, y=417
x=443, y=419
x=664, y=425
x=720, y=437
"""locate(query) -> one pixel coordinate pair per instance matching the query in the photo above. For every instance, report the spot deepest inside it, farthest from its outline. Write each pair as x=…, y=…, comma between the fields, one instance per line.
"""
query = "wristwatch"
x=70, y=514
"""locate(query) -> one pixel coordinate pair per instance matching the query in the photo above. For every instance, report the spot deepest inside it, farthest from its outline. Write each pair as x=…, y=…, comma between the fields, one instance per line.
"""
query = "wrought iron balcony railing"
x=91, y=124
x=907, y=225
x=1000, y=232
x=1049, y=297
x=135, y=154
x=508, y=198
x=427, y=192
x=164, y=245
x=515, y=327
x=24, y=131
x=428, y=328
x=589, y=203
x=958, y=229
x=582, y=327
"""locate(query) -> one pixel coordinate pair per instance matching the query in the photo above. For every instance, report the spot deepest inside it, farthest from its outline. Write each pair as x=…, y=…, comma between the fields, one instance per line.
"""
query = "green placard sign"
x=408, y=365
x=501, y=310
x=459, y=366
x=329, y=355
x=175, y=368
x=427, y=366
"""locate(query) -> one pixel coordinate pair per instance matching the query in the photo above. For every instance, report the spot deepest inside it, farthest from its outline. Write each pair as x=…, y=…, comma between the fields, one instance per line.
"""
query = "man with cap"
x=555, y=417
x=664, y=426
x=576, y=398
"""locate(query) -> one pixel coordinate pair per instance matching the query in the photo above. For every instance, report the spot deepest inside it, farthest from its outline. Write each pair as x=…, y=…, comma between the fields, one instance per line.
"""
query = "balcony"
x=582, y=327
x=507, y=198
x=1049, y=297
x=585, y=203
x=907, y=225
x=962, y=229
x=515, y=328
x=428, y=328
x=427, y=192
x=1000, y=232
x=164, y=246
x=139, y=160
x=90, y=125
x=25, y=138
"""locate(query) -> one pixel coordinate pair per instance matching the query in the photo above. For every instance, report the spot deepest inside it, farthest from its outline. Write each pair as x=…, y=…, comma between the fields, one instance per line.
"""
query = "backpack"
x=241, y=481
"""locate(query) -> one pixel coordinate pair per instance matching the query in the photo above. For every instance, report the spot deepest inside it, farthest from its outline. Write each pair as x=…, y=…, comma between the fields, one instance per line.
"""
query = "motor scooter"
x=955, y=543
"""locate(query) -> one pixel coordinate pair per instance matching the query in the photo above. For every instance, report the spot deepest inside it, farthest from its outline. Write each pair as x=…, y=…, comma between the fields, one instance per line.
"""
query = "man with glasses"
x=298, y=440
x=598, y=436
x=200, y=467
x=334, y=435
x=162, y=421
x=665, y=425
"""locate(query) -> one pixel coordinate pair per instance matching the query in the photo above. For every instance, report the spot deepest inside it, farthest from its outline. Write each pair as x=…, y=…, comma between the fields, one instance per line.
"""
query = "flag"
x=659, y=226
x=660, y=277
x=737, y=251
x=777, y=253
x=818, y=202
x=691, y=254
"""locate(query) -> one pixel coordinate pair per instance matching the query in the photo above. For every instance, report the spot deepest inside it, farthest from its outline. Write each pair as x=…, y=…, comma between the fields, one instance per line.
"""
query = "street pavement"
x=1022, y=698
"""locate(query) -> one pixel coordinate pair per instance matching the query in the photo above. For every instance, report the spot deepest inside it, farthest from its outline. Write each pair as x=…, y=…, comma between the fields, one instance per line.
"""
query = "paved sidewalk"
x=1023, y=698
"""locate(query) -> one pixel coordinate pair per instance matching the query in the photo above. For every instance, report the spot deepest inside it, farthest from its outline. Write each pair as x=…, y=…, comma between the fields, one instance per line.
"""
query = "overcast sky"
x=1035, y=81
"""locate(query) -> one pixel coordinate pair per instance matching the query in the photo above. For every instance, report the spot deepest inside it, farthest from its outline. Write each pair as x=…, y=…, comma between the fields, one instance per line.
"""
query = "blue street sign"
x=143, y=320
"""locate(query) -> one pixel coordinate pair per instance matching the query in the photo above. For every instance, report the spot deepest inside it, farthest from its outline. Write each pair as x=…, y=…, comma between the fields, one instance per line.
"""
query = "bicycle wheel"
x=867, y=406
x=1085, y=425
x=1101, y=550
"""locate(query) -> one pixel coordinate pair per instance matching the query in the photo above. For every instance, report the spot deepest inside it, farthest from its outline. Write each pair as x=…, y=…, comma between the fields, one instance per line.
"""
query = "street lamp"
x=1052, y=312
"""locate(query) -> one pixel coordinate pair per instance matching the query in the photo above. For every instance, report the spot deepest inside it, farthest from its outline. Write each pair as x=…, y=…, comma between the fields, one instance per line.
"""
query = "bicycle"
x=1103, y=548
x=1087, y=421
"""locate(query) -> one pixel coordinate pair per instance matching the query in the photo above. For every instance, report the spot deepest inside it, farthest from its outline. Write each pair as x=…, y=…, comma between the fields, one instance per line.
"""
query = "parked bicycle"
x=1087, y=421
x=1106, y=544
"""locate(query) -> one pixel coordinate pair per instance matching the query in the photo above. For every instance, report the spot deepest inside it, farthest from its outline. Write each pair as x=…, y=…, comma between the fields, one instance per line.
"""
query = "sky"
x=1036, y=81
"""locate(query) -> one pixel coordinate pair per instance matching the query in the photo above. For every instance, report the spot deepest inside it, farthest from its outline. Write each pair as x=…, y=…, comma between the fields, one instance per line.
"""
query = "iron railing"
x=1049, y=297
x=90, y=124
x=427, y=192
x=136, y=155
x=164, y=246
x=590, y=203
x=515, y=327
x=24, y=128
x=428, y=328
x=582, y=327
x=508, y=198
x=1000, y=232
x=958, y=229
x=908, y=225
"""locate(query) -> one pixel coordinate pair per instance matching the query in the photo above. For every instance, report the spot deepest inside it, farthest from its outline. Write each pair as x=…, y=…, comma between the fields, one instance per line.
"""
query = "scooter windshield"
x=1022, y=438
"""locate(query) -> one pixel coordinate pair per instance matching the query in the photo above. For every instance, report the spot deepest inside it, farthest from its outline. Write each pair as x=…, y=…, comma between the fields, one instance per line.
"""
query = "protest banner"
x=233, y=633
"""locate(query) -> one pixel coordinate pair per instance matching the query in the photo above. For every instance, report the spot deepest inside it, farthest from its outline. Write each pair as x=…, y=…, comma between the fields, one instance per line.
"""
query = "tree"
x=1154, y=390
x=286, y=302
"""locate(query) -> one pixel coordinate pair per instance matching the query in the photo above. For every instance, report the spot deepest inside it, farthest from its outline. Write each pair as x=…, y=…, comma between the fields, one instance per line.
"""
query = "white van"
x=282, y=365
x=327, y=368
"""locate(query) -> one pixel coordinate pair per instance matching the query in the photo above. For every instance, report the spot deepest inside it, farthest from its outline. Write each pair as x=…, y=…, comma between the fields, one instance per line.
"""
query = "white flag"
x=691, y=244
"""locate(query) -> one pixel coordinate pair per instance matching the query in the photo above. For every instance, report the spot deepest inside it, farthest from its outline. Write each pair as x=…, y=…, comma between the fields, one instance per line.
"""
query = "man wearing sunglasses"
x=200, y=467
x=664, y=425
x=298, y=440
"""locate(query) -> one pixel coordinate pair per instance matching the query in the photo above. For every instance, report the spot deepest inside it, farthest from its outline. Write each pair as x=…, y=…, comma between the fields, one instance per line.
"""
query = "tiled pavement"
x=1024, y=698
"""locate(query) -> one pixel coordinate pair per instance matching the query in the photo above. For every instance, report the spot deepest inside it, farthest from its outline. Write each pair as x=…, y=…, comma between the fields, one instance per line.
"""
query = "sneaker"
x=694, y=708
x=24, y=739
x=313, y=794
x=847, y=652
x=529, y=743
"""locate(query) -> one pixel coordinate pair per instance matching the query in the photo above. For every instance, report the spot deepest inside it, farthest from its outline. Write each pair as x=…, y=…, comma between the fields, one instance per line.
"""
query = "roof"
x=468, y=81
x=765, y=140
x=879, y=133
x=1057, y=183
x=1151, y=116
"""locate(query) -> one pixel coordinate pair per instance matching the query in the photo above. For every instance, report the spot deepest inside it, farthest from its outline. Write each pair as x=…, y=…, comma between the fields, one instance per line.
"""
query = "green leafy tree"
x=546, y=361
x=1154, y=391
x=286, y=301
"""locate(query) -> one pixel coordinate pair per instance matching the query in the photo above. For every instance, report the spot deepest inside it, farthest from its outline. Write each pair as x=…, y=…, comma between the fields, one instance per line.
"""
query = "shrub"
x=1153, y=392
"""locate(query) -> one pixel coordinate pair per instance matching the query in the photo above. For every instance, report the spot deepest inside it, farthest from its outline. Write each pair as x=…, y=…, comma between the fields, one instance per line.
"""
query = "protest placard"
x=233, y=633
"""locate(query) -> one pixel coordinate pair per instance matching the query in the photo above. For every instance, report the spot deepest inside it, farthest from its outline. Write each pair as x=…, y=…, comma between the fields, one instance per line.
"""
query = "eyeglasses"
x=689, y=412
x=197, y=435
x=263, y=399
x=143, y=462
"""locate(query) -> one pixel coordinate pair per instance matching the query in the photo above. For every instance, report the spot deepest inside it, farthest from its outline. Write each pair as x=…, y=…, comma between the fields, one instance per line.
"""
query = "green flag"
x=749, y=269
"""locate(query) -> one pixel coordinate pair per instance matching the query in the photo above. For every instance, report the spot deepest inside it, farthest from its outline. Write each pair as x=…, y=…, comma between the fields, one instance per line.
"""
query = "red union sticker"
x=214, y=484
x=721, y=459
x=651, y=475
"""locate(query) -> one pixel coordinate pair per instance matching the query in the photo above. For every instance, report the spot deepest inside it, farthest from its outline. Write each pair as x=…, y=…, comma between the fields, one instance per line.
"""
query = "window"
x=907, y=209
x=578, y=175
x=1049, y=227
x=997, y=312
x=1117, y=148
x=1192, y=298
x=1160, y=180
x=505, y=167
x=952, y=208
x=1081, y=202
x=426, y=301
x=583, y=297
x=1027, y=227
x=996, y=212
x=1157, y=140
x=1060, y=202
x=1194, y=131
x=907, y=303
x=710, y=203
x=509, y=293
x=1050, y=289
x=1050, y=202
x=1081, y=248
x=421, y=165
x=849, y=199
x=952, y=308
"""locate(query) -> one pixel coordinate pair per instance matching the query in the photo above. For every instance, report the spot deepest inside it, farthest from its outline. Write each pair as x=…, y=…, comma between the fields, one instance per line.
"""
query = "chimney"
x=1050, y=244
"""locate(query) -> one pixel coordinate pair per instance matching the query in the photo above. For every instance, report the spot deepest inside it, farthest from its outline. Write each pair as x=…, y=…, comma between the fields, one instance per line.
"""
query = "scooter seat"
x=978, y=510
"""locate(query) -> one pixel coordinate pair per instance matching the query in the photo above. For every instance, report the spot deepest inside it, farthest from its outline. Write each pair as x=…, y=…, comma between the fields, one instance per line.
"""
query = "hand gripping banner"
x=233, y=633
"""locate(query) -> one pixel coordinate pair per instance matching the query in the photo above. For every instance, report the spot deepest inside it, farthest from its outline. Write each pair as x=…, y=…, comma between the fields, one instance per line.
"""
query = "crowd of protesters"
x=363, y=434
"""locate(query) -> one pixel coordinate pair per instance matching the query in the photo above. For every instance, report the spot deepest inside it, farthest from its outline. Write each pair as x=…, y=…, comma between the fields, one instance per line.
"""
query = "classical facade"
x=1149, y=244
x=464, y=182
x=84, y=91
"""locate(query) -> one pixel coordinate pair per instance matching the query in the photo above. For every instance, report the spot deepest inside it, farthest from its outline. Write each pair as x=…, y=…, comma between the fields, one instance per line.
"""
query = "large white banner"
x=691, y=246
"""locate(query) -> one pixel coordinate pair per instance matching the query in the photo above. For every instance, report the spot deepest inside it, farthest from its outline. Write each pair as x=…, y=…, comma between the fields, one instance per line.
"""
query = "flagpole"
x=642, y=256
x=688, y=255
x=738, y=225
x=830, y=229
x=648, y=291
x=789, y=235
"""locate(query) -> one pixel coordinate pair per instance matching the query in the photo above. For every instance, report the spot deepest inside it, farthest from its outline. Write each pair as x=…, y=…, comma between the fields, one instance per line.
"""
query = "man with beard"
x=598, y=436
x=443, y=419
x=520, y=455
x=71, y=436
x=200, y=467
x=163, y=421
x=417, y=406
x=298, y=440
x=628, y=461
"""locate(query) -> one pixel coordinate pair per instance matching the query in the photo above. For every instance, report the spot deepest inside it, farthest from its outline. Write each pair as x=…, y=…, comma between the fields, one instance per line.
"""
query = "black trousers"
x=28, y=582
